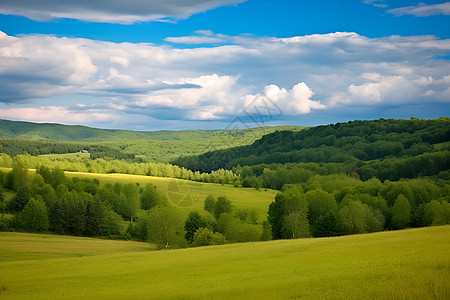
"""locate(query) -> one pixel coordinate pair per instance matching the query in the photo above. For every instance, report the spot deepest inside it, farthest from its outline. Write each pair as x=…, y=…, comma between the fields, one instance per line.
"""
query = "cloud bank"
x=110, y=11
x=93, y=82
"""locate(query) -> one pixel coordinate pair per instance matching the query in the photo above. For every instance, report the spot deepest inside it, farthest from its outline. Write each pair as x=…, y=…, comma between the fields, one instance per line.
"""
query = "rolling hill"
x=150, y=146
x=77, y=133
x=363, y=145
x=407, y=264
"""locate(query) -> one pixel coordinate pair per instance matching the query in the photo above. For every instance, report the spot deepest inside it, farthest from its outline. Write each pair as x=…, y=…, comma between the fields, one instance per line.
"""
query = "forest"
x=339, y=179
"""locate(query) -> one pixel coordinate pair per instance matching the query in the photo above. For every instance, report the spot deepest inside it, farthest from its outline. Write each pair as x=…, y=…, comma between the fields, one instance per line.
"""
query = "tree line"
x=354, y=143
x=338, y=204
x=324, y=205
x=14, y=147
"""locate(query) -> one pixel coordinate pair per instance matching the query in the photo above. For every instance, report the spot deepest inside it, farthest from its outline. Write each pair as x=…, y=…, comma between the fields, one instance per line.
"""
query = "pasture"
x=190, y=195
x=407, y=264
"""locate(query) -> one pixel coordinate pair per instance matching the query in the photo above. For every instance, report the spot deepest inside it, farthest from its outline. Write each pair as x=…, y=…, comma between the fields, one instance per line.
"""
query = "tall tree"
x=166, y=227
x=95, y=218
x=192, y=224
x=296, y=224
x=150, y=197
x=401, y=213
x=34, y=216
x=210, y=203
x=222, y=205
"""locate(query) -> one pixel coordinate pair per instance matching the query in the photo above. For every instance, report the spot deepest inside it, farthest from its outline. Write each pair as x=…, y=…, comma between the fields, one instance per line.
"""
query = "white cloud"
x=325, y=71
x=192, y=40
x=291, y=102
x=422, y=10
x=56, y=114
x=110, y=11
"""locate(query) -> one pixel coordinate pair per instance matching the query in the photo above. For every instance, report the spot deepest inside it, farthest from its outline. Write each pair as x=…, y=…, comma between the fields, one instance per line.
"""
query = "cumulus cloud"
x=322, y=71
x=290, y=102
x=41, y=66
x=110, y=11
x=422, y=10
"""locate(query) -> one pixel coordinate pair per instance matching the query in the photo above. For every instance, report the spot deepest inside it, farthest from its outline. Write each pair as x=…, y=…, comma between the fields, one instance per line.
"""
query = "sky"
x=222, y=64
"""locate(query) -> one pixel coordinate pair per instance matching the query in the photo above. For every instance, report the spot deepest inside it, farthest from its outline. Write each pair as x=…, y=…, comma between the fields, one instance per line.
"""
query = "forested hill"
x=352, y=142
x=77, y=133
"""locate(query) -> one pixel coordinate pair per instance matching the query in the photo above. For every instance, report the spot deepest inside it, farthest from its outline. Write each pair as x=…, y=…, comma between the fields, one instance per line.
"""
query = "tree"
x=328, y=224
x=95, y=218
x=113, y=225
x=320, y=204
x=2, y=203
x=438, y=213
x=296, y=224
x=288, y=214
x=150, y=197
x=401, y=213
x=194, y=222
x=34, y=216
x=222, y=205
x=266, y=234
x=132, y=203
x=166, y=227
x=20, y=199
x=360, y=218
x=206, y=237
x=210, y=203
x=18, y=177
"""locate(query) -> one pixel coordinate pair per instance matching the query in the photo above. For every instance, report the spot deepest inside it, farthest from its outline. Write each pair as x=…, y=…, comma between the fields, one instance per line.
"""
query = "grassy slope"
x=28, y=246
x=409, y=264
x=191, y=195
x=77, y=133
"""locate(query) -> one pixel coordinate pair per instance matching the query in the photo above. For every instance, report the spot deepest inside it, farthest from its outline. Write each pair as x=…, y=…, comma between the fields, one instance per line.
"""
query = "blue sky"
x=203, y=64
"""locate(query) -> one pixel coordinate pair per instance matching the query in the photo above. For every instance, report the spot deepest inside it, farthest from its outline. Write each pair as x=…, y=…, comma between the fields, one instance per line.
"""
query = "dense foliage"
x=14, y=147
x=339, y=205
x=358, y=143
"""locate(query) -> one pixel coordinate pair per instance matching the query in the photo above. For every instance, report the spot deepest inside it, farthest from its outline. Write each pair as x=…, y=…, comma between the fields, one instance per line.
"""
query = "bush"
x=206, y=237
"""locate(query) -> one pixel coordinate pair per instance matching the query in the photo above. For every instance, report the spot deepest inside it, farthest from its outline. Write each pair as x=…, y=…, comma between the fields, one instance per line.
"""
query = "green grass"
x=28, y=246
x=191, y=195
x=77, y=155
x=408, y=264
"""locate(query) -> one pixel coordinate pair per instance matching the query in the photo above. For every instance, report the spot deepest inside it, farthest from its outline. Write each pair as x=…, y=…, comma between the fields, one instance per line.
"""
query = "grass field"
x=191, y=195
x=408, y=264
x=77, y=155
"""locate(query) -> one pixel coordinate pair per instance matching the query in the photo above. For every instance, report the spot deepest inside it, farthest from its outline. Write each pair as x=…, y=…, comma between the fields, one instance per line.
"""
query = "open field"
x=191, y=195
x=28, y=246
x=77, y=155
x=408, y=264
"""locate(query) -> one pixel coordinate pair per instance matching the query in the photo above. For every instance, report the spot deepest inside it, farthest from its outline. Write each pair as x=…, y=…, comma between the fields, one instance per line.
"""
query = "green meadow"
x=407, y=264
x=190, y=195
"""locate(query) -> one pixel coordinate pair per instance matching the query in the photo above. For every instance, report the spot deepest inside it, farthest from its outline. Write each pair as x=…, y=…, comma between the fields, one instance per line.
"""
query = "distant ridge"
x=78, y=133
